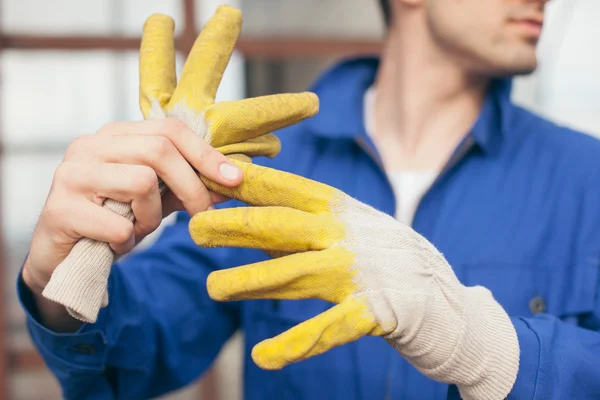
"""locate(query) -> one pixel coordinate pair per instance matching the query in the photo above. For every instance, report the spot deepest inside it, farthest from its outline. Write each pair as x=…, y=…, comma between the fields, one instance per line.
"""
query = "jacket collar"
x=341, y=92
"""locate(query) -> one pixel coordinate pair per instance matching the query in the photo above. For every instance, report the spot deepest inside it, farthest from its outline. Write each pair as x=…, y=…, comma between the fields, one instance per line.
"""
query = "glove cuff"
x=485, y=362
x=79, y=283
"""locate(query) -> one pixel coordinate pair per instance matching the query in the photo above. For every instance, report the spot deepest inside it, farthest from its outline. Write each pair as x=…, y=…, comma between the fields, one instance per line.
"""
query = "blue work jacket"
x=516, y=209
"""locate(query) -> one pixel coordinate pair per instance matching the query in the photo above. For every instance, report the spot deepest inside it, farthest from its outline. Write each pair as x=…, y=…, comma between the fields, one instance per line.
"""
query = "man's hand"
x=123, y=161
x=385, y=279
x=110, y=190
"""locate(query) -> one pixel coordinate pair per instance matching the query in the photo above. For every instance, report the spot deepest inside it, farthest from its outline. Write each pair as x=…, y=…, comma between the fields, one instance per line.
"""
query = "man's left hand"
x=383, y=277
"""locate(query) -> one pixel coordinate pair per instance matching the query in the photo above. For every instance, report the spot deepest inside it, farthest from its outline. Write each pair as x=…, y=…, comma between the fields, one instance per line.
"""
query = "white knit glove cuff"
x=485, y=362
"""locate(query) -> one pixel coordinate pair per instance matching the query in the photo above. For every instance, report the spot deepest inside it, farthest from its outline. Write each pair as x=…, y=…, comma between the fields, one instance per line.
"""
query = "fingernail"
x=229, y=172
x=210, y=208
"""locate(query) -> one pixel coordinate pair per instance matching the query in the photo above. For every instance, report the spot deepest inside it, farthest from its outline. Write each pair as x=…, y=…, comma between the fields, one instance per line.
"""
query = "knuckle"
x=50, y=217
x=199, y=192
x=208, y=156
x=122, y=232
x=121, y=169
x=161, y=147
x=147, y=227
x=174, y=126
x=64, y=172
x=76, y=146
x=108, y=128
x=146, y=181
x=58, y=221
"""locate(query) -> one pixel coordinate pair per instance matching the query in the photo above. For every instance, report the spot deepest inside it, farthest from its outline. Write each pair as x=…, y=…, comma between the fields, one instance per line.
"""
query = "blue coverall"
x=516, y=209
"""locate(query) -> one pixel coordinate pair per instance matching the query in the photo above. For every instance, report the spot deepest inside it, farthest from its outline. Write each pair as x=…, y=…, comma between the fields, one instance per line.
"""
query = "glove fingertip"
x=159, y=19
x=314, y=101
x=232, y=12
x=214, y=288
x=262, y=357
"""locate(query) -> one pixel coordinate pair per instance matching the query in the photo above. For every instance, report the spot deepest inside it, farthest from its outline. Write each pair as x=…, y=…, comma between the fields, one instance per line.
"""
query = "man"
x=426, y=134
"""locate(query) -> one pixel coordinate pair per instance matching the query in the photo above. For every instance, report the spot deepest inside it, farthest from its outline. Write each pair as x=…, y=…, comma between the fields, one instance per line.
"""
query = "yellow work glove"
x=232, y=127
x=383, y=277
x=239, y=129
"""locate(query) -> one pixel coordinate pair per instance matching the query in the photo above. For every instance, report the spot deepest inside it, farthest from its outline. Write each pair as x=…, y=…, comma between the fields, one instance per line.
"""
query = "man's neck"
x=424, y=106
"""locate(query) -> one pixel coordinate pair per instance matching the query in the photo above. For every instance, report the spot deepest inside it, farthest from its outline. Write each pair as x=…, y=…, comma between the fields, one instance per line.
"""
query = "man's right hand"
x=122, y=161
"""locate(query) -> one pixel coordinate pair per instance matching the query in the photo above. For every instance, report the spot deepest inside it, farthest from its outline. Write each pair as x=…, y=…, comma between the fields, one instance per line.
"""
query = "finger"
x=240, y=120
x=171, y=204
x=79, y=217
x=134, y=184
x=269, y=187
x=159, y=153
x=217, y=198
x=325, y=275
x=157, y=65
x=207, y=60
x=341, y=324
x=127, y=246
x=267, y=145
x=203, y=157
x=266, y=228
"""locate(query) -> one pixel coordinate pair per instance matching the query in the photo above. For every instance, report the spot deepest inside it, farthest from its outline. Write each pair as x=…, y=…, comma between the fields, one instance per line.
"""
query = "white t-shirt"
x=408, y=186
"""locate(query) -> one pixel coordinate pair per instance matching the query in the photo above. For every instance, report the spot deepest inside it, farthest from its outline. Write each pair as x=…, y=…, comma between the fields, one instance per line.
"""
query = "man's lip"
x=529, y=20
x=531, y=27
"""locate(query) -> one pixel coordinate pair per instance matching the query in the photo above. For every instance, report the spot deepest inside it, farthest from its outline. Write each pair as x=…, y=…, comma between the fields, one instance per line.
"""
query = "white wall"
x=566, y=87
x=347, y=18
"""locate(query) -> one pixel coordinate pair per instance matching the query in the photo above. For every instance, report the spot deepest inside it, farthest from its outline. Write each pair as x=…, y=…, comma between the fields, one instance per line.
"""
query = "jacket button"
x=86, y=349
x=537, y=305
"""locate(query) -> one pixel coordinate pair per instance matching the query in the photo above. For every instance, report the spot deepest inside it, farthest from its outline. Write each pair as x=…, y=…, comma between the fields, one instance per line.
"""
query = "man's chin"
x=523, y=62
x=511, y=61
x=523, y=70
x=520, y=67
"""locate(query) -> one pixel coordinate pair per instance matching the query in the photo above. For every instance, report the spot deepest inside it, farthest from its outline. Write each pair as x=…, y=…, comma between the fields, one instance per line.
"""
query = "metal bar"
x=275, y=49
x=35, y=42
x=290, y=47
x=188, y=36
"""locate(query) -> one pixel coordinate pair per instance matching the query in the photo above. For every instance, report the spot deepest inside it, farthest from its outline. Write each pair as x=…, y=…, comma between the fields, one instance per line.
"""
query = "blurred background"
x=69, y=66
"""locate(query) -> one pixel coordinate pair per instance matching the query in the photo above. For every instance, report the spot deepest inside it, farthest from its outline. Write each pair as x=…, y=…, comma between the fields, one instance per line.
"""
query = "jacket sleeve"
x=558, y=360
x=159, y=332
